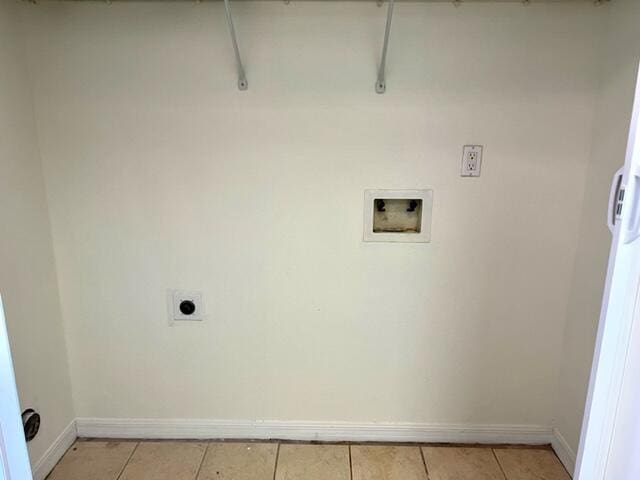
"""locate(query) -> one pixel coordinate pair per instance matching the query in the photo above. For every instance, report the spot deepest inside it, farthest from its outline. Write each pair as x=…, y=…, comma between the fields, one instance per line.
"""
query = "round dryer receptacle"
x=31, y=423
x=187, y=307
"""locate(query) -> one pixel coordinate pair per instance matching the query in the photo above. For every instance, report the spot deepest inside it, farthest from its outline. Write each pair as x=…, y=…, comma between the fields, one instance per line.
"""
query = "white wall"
x=27, y=272
x=162, y=175
x=620, y=54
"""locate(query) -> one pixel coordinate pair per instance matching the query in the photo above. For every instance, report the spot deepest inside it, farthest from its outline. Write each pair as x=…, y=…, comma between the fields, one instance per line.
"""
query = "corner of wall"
x=28, y=276
x=619, y=62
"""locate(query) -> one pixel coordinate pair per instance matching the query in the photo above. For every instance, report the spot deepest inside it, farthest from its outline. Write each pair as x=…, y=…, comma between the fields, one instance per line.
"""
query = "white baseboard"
x=54, y=453
x=311, y=431
x=564, y=451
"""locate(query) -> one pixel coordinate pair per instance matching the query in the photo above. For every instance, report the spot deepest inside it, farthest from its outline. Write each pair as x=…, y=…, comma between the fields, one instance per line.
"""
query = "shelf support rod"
x=242, y=79
x=381, y=84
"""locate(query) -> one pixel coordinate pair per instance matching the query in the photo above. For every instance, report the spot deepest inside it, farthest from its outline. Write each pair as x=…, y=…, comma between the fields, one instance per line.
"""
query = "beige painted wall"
x=162, y=175
x=620, y=57
x=27, y=272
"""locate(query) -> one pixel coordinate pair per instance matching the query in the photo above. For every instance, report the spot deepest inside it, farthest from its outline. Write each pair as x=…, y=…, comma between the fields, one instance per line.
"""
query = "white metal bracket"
x=381, y=84
x=242, y=79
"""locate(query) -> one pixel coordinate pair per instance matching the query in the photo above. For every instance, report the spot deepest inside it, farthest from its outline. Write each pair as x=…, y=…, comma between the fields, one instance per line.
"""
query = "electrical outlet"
x=184, y=306
x=471, y=160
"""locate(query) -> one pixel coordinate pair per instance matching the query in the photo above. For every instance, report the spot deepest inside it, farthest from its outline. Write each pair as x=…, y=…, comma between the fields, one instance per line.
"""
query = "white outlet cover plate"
x=471, y=167
x=175, y=298
x=424, y=236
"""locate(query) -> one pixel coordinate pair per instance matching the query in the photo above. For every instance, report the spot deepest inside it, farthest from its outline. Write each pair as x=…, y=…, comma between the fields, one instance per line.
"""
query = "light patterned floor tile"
x=530, y=464
x=453, y=463
x=165, y=461
x=313, y=462
x=94, y=460
x=239, y=461
x=376, y=462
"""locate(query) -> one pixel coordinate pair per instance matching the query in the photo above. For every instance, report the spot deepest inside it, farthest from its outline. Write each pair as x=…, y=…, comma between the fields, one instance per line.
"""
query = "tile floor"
x=202, y=460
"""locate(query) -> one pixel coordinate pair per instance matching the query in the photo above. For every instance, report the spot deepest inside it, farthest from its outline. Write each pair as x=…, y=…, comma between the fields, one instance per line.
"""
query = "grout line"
x=275, y=466
x=504, y=474
x=350, y=464
x=424, y=462
x=128, y=460
x=202, y=461
x=390, y=443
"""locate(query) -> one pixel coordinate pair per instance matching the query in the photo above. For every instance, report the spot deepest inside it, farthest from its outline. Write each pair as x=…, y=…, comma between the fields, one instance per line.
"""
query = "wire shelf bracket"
x=242, y=78
x=381, y=84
